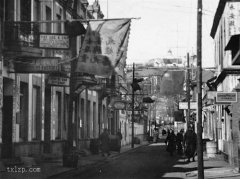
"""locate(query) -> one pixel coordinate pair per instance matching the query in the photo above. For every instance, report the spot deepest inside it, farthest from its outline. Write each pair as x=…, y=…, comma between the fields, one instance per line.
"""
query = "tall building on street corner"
x=35, y=80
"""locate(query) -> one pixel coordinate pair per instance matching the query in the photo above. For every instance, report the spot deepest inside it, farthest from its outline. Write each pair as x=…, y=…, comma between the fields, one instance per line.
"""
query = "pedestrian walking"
x=105, y=142
x=171, y=142
x=179, y=141
x=119, y=138
x=190, y=143
x=155, y=135
x=164, y=132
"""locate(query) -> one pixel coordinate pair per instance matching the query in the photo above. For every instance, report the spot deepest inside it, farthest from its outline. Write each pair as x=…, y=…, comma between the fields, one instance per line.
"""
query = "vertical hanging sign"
x=1, y=82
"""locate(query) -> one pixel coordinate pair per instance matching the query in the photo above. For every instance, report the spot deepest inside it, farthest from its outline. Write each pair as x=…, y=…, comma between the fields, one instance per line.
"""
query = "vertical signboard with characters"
x=1, y=95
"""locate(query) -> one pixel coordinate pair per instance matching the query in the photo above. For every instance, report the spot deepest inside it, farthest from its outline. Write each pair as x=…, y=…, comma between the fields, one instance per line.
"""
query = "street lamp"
x=135, y=87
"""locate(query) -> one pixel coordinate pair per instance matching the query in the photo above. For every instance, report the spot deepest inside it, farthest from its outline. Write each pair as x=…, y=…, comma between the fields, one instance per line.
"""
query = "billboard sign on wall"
x=54, y=41
x=226, y=97
x=184, y=105
x=38, y=65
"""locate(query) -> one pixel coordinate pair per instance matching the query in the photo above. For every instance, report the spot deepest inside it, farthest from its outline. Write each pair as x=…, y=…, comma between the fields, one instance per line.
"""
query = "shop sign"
x=96, y=87
x=119, y=105
x=88, y=80
x=54, y=41
x=226, y=97
x=38, y=65
x=58, y=81
x=184, y=105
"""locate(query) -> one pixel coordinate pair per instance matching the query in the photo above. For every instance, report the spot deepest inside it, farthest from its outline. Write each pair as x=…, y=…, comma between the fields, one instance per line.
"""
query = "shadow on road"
x=149, y=161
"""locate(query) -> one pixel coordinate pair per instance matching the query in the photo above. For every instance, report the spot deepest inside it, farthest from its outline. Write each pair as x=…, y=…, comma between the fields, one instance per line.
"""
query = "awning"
x=74, y=28
x=234, y=40
x=234, y=46
x=224, y=73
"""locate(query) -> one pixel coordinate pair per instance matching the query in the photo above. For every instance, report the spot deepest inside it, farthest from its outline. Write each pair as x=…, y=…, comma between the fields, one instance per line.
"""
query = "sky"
x=163, y=25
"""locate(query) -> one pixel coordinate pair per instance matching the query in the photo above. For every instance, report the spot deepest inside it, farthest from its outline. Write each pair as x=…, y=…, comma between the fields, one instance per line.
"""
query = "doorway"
x=7, y=145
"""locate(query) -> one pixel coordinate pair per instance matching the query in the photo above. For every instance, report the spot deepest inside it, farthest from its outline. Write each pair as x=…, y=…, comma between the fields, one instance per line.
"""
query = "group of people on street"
x=105, y=141
x=183, y=143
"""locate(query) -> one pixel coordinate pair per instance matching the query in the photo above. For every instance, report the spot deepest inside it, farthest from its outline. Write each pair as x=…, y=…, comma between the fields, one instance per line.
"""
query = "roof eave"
x=217, y=17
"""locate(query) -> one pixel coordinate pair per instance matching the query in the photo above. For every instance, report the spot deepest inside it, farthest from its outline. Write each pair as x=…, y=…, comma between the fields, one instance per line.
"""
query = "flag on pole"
x=104, y=47
x=119, y=68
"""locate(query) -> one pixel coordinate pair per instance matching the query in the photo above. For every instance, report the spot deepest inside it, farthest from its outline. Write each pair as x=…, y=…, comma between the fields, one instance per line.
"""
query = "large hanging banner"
x=104, y=47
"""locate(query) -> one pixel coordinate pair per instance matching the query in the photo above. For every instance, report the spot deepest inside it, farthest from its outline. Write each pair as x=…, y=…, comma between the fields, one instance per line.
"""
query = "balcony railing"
x=24, y=34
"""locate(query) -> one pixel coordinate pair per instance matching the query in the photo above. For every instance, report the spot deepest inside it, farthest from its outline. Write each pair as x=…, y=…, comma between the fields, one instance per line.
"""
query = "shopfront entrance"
x=7, y=143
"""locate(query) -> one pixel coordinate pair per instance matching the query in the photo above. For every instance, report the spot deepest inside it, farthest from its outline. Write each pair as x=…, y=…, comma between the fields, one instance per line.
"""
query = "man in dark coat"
x=179, y=142
x=105, y=142
x=190, y=142
x=171, y=142
x=119, y=138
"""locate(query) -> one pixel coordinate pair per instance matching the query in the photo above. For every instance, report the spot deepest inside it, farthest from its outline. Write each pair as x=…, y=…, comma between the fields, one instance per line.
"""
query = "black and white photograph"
x=119, y=89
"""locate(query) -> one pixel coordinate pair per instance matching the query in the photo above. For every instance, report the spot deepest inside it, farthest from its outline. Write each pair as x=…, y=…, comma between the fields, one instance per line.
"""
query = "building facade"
x=224, y=122
x=34, y=115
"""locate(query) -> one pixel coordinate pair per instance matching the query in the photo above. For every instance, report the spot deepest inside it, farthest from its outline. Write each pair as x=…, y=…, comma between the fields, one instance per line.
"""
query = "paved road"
x=151, y=161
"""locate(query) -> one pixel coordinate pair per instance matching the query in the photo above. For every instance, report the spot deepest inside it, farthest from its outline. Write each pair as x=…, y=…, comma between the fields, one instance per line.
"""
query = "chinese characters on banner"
x=233, y=18
x=104, y=47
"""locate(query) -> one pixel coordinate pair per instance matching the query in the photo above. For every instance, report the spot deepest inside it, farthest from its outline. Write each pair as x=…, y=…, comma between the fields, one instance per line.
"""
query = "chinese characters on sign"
x=58, y=81
x=233, y=18
x=103, y=47
x=226, y=97
x=39, y=65
x=54, y=41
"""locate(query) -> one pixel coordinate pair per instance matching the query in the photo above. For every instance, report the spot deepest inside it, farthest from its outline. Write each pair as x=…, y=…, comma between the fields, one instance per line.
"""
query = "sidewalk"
x=47, y=168
x=213, y=168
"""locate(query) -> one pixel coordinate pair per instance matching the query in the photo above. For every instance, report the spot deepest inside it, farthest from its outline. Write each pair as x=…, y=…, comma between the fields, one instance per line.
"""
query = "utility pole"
x=188, y=90
x=133, y=107
x=199, y=91
x=71, y=95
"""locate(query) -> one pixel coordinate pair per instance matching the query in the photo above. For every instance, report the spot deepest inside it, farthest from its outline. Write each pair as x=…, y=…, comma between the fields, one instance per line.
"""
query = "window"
x=100, y=121
x=48, y=17
x=23, y=112
x=36, y=10
x=58, y=25
x=94, y=119
x=66, y=109
x=35, y=112
x=25, y=10
x=82, y=118
x=58, y=116
x=104, y=117
x=88, y=118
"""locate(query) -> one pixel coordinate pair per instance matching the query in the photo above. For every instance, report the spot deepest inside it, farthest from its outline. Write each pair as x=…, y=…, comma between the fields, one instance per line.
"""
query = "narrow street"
x=150, y=161
x=84, y=78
